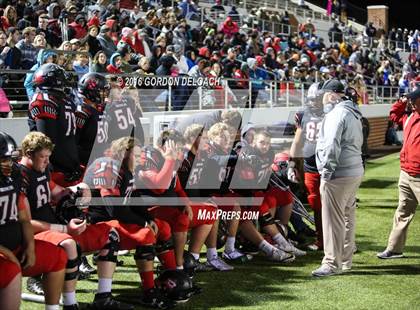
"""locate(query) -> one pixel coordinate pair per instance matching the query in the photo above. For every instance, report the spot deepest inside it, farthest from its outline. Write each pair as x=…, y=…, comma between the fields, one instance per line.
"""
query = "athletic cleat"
x=34, y=285
x=291, y=249
x=86, y=267
x=278, y=255
x=71, y=307
x=154, y=298
x=236, y=256
x=105, y=301
x=316, y=246
x=219, y=264
x=325, y=271
x=202, y=267
x=389, y=255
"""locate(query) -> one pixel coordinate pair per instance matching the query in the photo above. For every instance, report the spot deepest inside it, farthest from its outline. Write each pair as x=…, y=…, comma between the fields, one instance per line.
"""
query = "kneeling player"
x=76, y=236
x=19, y=253
x=112, y=179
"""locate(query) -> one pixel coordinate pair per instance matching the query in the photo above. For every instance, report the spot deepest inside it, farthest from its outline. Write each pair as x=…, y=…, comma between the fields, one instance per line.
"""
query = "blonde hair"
x=216, y=130
x=34, y=142
x=122, y=146
x=192, y=132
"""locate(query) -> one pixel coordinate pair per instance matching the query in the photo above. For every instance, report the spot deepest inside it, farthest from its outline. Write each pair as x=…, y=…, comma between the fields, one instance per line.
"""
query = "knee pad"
x=162, y=246
x=145, y=252
x=266, y=220
x=112, y=246
x=73, y=263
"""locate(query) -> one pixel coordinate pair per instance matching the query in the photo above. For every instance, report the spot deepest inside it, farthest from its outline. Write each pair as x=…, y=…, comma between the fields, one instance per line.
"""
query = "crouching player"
x=19, y=253
x=76, y=237
x=112, y=180
x=253, y=173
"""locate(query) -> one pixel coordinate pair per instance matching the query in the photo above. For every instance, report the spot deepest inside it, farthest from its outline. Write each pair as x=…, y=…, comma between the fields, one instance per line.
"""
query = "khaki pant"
x=409, y=197
x=338, y=198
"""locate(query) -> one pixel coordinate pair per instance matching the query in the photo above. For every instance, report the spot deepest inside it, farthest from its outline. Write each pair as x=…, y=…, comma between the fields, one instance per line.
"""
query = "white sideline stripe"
x=175, y=201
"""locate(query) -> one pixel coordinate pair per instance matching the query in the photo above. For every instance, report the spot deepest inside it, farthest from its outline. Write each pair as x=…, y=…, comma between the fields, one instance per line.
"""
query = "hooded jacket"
x=229, y=27
x=41, y=59
x=79, y=31
x=112, y=68
x=339, y=146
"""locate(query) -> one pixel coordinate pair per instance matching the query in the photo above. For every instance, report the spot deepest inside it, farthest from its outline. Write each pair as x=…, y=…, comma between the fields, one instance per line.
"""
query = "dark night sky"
x=402, y=13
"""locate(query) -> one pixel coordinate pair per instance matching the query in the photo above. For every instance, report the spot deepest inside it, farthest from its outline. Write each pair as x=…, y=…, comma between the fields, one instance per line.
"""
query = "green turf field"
x=372, y=284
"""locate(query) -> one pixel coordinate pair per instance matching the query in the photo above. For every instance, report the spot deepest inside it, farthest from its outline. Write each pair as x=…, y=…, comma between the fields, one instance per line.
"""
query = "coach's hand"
x=292, y=173
x=170, y=150
x=76, y=226
x=28, y=256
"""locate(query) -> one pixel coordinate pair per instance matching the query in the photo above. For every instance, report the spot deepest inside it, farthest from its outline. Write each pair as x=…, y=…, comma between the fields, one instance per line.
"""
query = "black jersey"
x=87, y=119
x=54, y=116
x=310, y=123
x=190, y=173
x=36, y=187
x=10, y=229
x=219, y=169
x=253, y=170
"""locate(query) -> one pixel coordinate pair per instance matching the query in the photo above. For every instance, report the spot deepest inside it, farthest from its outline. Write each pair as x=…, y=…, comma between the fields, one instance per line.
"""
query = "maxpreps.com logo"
x=219, y=214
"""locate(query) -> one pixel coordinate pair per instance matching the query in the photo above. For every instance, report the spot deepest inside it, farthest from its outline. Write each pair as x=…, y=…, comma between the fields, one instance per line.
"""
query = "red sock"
x=168, y=259
x=147, y=280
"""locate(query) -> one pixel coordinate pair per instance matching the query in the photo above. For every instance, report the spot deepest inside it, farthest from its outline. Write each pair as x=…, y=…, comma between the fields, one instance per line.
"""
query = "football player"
x=308, y=123
x=53, y=114
x=157, y=177
x=253, y=174
x=112, y=180
x=20, y=254
x=76, y=237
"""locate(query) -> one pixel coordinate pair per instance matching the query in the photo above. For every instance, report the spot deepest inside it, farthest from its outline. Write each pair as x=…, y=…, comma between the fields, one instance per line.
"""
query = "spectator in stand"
x=229, y=27
x=29, y=52
x=166, y=64
x=115, y=63
x=42, y=58
x=107, y=44
x=26, y=20
x=307, y=29
x=77, y=29
x=10, y=17
x=144, y=66
x=81, y=64
x=335, y=34
x=135, y=14
x=99, y=63
x=40, y=42
x=52, y=39
x=13, y=55
x=141, y=44
x=188, y=9
x=75, y=44
x=125, y=66
x=234, y=15
x=190, y=56
x=370, y=33
x=92, y=40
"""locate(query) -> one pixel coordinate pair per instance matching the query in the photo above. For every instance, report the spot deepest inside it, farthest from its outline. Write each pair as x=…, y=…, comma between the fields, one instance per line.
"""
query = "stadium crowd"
x=157, y=39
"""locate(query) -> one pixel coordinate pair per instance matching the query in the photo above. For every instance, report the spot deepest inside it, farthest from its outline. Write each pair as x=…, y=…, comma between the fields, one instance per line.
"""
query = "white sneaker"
x=325, y=271
x=345, y=267
x=290, y=248
x=278, y=255
x=236, y=256
x=219, y=264
x=123, y=252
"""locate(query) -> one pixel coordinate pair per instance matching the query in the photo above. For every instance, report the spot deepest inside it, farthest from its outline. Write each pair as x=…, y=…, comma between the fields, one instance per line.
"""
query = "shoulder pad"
x=41, y=109
x=81, y=117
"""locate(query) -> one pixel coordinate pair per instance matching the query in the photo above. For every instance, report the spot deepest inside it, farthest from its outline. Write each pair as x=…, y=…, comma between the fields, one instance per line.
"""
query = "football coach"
x=339, y=162
x=405, y=112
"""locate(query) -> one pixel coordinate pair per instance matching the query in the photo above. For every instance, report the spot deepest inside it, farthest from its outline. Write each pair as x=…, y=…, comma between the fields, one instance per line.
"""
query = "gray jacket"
x=339, y=146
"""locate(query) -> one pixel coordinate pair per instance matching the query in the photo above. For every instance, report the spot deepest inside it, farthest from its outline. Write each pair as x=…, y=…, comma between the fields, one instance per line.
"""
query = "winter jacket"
x=339, y=146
